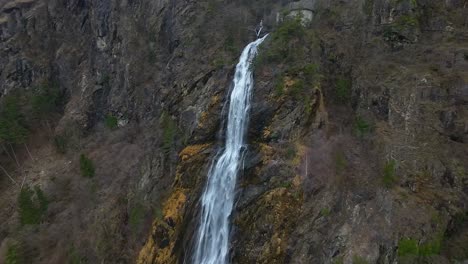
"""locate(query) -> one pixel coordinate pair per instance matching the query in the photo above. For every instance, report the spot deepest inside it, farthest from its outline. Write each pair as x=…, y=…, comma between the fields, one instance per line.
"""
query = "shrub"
x=13, y=254
x=325, y=212
x=74, y=257
x=368, y=7
x=290, y=28
x=359, y=260
x=340, y=163
x=291, y=151
x=286, y=184
x=136, y=215
x=389, y=174
x=111, y=122
x=12, y=122
x=310, y=71
x=169, y=132
x=282, y=44
x=343, y=90
x=279, y=86
x=338, y=260
x=407, y=247
x=45, y=100
x=362, y=127
x=430, y=248
x=32, y=206
x=86, y=166
x=298, y=88
x=60, y=144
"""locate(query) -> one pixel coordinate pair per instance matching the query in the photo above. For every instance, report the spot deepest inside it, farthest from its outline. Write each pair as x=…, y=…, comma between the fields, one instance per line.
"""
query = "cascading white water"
x=212, y=241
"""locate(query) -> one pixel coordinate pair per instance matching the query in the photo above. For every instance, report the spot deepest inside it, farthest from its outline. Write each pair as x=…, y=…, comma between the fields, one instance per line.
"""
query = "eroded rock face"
x=355, y=144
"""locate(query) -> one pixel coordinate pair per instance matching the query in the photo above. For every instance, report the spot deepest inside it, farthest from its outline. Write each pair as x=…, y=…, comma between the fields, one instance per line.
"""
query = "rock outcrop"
x=357, y=142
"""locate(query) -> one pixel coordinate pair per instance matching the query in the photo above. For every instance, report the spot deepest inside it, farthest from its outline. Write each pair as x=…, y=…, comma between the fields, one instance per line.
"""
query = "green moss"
x=111, y=122
x=465, y=55
x=32, y=206
x=389, y=178
x=407, y=247
x=86, y=166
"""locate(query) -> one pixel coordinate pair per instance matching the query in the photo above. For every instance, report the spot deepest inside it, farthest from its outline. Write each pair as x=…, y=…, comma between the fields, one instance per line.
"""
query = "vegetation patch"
x=340, y=163
x=389, y=178
x=46, y=100
x=343, y=90
x=75, y=258
x=86, y=166
x=284, y=44
x=410, y=247
x=14, y=254
x=403, y=30
x=325, y=212
x=32, y=205
x=368, y=7
x=136, y=216
x=407, y=247
x=169, y=132
x=20, y=113
x=359, y=260
x=111, y=122
x=362, y=127
x=13, y=127
x=60, y=143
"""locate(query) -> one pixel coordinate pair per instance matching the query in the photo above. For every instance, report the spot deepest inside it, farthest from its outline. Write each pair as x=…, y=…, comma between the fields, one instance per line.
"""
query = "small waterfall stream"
x=217, y=201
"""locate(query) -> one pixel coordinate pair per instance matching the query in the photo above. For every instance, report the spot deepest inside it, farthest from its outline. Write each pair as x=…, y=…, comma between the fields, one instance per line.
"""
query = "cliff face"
x=357, y=141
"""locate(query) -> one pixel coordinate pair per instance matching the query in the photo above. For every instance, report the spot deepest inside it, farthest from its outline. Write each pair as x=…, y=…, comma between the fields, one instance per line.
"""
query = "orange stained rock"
x=173, y=206
x=192, y=150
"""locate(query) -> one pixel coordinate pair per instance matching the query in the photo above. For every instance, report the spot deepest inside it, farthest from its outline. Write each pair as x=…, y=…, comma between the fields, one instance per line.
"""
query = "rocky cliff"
x=357, y=141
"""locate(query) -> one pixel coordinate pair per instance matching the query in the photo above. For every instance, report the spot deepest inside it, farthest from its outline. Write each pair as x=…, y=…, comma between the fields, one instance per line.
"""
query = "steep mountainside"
x=111, y=113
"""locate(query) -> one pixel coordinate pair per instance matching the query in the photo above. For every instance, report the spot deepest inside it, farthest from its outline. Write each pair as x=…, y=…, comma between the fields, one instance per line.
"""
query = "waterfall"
x=217, y=201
